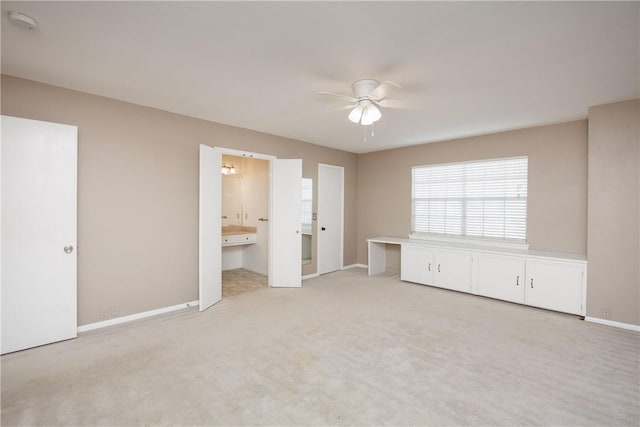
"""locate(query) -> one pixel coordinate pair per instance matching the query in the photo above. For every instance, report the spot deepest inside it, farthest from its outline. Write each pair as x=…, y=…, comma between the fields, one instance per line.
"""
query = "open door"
x=285, y=269
x=210, y=261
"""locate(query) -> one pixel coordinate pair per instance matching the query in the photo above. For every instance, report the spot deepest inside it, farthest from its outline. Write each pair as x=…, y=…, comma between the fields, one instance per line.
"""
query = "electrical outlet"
x=606, y=313
x=109, y=312
x=114, y=311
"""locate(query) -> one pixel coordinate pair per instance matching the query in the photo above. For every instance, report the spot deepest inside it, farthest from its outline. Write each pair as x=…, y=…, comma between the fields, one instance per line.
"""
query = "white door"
x=210, y=261
x=285, y=219
x=330, y=217
x=501, y=277
x=39, y=231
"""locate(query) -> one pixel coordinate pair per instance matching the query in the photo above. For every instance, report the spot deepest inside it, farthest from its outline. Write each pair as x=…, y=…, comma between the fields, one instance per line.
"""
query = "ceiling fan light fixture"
x=356, y=114
x=370, y=115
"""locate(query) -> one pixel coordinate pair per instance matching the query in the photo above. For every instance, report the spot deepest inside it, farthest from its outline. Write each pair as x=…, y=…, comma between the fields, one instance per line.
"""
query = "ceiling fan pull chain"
x=365, y=133
x=372, y=129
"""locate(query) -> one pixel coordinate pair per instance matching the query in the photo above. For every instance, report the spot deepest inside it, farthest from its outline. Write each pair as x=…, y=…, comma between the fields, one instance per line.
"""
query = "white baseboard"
x=346, y=267
x=137, y=316
x=621, y=325
x=310, y=276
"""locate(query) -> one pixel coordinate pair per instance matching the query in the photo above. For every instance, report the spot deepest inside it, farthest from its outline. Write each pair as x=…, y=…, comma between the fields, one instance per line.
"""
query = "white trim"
x=470, y=241
x=346, y=267
x=310, y=276
x=137, y=316
x=249, y=154
x=606, y=322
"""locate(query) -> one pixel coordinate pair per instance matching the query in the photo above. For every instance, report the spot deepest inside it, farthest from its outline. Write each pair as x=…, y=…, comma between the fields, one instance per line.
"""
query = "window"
x=484, y=199
x=307, y=200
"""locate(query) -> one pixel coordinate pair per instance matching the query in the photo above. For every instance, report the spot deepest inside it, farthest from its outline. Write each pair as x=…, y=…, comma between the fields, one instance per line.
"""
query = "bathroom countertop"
x=237, y=229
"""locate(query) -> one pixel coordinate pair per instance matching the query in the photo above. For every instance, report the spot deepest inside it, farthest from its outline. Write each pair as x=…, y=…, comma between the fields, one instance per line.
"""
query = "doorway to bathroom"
x=283, y=228
x=245, y=234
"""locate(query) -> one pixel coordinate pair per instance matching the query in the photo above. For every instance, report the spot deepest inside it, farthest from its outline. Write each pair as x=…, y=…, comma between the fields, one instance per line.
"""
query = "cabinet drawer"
x=239, y=239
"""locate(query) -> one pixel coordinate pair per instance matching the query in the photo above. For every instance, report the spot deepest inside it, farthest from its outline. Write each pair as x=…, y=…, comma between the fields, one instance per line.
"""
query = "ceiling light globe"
x=356, y=114
x=371, y=114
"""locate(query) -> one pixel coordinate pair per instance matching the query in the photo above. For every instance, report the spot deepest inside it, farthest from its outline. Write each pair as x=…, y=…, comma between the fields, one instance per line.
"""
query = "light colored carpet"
x=346, y=349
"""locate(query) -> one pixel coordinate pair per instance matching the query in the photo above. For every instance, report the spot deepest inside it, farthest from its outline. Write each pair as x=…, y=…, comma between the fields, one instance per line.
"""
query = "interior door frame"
x=320, y=238
x=253, y=155
x=259, y=156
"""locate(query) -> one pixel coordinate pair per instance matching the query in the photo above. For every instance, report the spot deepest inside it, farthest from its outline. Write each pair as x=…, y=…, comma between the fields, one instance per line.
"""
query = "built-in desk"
x=378, y=252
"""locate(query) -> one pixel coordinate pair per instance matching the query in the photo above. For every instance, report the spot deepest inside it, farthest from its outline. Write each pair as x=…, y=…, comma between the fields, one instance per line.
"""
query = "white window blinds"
x=485, y=199
x=307, y=201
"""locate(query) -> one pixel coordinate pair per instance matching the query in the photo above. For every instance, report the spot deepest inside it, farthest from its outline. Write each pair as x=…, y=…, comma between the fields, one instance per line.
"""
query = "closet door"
x=210, y=252
x=285, y=237
x=39, y=231
x=330, y=218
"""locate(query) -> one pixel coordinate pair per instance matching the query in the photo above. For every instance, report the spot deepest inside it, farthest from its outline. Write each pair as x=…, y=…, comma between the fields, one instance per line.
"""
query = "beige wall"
x=614, y=212
x=557, y=202
x=138, y=192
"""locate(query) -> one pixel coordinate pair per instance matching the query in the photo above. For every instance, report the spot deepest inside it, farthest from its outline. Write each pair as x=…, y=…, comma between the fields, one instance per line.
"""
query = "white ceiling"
x=466, y=68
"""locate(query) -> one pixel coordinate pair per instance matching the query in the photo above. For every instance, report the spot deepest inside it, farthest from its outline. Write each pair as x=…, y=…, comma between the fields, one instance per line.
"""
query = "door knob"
x=68, y=249
x=323, y=228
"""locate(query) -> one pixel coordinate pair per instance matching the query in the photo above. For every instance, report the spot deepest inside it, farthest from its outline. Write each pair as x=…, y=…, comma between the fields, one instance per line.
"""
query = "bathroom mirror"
x=307, y=227
x=245, y=193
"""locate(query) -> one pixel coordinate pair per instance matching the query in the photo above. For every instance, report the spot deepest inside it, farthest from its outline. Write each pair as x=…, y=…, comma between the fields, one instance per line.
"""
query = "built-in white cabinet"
x=501, y=277
x=417, y=264
x=442, y=268
x=453, y=270
x=539, y=279
x=555, y=285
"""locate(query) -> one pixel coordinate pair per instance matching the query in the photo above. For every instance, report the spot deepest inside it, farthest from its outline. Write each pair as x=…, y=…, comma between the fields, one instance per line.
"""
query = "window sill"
x=470, y=241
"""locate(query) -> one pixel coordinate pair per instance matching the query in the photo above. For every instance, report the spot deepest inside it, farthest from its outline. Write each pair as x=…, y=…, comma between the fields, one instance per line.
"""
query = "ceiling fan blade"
x=346, y=107
x=339, y=95
x=394, y=104
x=381, y=91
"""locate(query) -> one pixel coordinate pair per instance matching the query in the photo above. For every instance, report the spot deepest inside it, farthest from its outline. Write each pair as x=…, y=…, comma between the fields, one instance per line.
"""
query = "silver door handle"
x=263, y=219
x=68, y=249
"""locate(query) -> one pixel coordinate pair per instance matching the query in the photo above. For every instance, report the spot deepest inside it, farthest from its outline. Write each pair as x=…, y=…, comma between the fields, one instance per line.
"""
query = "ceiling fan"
x=369, y=95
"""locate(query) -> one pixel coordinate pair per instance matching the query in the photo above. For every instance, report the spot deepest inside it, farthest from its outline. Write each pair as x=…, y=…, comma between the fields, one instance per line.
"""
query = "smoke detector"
x=22, y=20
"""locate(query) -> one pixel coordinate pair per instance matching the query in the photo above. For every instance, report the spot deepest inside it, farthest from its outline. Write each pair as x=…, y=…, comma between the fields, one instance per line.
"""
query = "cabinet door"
x=501, y=277
x=416, y=264
x=453, y=270
x=554, y=285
